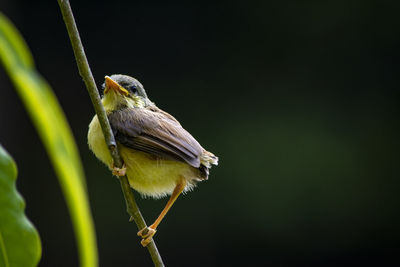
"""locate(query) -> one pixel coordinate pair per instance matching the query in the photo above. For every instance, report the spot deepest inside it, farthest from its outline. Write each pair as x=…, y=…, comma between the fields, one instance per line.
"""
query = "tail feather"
x=207, y=159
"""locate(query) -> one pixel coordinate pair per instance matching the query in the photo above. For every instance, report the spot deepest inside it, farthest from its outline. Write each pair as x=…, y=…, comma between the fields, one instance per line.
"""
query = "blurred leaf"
x=50, y=122
x=19, y=240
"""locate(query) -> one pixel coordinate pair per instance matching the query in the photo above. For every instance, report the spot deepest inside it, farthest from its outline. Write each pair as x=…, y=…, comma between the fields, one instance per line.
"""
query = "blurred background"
x=300, y=100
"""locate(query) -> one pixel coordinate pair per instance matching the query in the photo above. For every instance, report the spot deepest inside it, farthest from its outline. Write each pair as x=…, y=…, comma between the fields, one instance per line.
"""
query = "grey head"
x=130, y=84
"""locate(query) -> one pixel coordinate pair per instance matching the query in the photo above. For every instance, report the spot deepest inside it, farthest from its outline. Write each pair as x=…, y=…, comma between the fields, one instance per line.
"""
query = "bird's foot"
x=147, y=235
x=118, y=171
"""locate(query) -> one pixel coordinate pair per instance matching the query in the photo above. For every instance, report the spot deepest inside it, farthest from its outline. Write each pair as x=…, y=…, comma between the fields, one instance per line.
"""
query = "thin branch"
x=86, y=74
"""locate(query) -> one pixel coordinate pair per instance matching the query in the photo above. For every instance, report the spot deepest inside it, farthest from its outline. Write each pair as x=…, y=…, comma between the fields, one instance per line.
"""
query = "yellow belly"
x=147, y=174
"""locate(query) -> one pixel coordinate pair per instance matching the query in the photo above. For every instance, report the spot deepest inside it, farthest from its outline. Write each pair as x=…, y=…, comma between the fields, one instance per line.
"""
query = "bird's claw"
x=147, y=235
x=118, y=171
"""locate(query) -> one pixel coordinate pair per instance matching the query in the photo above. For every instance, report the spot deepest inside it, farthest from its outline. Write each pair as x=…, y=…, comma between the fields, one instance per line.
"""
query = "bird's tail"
x=207, y=159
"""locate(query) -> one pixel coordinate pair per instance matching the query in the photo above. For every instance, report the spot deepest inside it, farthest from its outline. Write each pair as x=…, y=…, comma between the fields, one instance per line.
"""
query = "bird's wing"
x=156, y=132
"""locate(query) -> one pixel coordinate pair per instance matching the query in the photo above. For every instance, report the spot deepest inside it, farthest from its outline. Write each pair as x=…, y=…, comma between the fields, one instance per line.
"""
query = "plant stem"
x=86, y=74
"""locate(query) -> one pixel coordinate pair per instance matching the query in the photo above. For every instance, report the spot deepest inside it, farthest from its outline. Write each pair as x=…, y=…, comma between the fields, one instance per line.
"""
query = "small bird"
x=160, y=157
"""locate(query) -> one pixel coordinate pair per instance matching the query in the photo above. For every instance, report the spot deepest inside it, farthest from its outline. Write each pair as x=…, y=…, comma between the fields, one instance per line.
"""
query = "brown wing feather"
x=156, y=132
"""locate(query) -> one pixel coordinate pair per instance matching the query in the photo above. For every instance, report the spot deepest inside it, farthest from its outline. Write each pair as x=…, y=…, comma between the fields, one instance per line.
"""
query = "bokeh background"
x=299, y=99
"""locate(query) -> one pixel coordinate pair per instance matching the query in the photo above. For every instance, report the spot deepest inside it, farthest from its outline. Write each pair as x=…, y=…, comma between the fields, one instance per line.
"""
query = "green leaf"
x=19, y=240
x=52, y=126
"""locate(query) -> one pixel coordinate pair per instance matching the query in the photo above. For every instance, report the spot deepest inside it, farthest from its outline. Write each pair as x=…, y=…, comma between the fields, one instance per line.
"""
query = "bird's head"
x=121, y=91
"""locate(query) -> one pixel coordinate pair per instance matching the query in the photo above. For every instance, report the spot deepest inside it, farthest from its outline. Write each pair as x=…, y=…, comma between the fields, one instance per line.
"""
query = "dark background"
x=300, y=100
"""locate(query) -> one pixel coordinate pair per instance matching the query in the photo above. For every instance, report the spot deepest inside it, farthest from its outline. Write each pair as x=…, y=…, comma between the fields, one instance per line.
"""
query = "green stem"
x=86, y=74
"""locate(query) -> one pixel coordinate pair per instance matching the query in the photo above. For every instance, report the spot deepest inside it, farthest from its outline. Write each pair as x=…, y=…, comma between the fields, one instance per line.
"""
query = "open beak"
x=111, y=84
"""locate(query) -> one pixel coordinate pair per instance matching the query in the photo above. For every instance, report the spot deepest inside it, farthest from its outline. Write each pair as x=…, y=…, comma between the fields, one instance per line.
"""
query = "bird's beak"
x=111, y=84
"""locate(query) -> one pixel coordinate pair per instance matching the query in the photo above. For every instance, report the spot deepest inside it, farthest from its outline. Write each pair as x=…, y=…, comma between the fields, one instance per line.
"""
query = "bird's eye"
x=133, y=89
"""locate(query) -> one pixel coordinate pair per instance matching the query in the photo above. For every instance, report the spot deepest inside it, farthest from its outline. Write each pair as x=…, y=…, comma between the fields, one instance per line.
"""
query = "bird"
x=160, y=157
